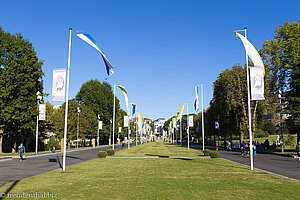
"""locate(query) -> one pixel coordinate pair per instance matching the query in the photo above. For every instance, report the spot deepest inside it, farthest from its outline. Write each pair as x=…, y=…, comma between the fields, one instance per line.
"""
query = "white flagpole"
x=128, y=113
x=180, y=133
x=202, y=118
x=187, y=123
x=67, y=96
x=114, y=113
x=136, y=133
x=249, y=108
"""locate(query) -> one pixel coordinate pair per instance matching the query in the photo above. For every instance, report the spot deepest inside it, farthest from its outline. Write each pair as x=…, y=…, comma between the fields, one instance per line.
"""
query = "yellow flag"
x=251, y=52
x=125, y=94
x=141, y=120
x=179, y=114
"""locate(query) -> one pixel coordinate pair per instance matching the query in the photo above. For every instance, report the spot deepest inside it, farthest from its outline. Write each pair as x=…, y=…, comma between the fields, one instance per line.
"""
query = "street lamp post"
x=109, y=142
x=279, y=97
x=39, y=97
x=78, y=111
x=98, y=142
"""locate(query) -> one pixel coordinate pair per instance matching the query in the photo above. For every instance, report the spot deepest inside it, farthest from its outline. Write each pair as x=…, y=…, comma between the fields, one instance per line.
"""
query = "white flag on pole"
x=42, y=110
x=58, y=85
x=191, y=121
x=126, y=121
x=257, y=83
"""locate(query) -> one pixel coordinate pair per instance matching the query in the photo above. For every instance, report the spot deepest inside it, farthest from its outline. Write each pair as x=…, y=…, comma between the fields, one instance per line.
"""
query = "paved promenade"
x=284, y=166
x=13, y=170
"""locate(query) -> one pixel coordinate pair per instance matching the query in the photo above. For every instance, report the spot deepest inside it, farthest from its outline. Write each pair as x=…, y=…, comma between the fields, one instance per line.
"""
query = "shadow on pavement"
x=2, y=196
x=74, y=157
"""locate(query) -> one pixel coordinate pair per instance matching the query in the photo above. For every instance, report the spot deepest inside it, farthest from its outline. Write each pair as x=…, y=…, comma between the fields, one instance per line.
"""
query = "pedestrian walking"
x=53, y=149
x=236, y=145
x=243, y=148
x=254, y=149
x=123, y=144
x=21, y=151
x=217, y=145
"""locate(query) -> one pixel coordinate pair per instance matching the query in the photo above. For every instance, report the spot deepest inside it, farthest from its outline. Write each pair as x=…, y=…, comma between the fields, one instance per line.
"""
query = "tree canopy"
x=20, y=78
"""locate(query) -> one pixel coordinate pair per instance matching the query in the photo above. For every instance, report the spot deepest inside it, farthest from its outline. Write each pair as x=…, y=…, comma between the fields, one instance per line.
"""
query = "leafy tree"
x=282, y=56
x=99, y=99
x=20, y=78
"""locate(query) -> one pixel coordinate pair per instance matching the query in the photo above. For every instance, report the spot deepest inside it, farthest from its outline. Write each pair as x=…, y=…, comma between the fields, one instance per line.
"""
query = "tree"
x=99, y=99
x=282, y=56
x=87, y=122
x=20, y=78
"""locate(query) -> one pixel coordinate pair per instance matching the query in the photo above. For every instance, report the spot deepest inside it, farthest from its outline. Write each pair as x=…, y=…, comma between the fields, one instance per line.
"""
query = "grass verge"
x=164, y=178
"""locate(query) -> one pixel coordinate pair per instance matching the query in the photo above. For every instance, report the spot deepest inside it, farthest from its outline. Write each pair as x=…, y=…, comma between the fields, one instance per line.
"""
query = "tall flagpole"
x=180, y=133
x=249, y=108
x=114, y=113
x=67, y=96
x=202, y=119
x=136, y=134
x=128, y=113
x=187, y=124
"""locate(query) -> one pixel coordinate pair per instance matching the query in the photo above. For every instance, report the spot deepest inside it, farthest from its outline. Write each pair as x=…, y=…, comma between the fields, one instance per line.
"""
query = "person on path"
x=123, y=144
x=236, y=145
x=21, y=151
x=53, y=149
x=217, y=145
x=243, y=148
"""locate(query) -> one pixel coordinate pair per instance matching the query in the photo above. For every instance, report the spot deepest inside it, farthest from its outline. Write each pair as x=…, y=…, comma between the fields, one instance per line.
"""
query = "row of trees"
x=229, y=104
x=21, y=76
x=94, y=98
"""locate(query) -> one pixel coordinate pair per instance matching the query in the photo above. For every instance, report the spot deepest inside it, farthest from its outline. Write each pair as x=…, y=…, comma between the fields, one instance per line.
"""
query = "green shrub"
x=206, y=152
x=214, y=154
x=111, y=152
x=289, y=141
x=260, y=133
x=53, y=143
x=102, y=154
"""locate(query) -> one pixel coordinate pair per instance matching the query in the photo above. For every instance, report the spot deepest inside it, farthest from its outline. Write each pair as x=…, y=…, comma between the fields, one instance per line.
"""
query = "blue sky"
x=160, y=50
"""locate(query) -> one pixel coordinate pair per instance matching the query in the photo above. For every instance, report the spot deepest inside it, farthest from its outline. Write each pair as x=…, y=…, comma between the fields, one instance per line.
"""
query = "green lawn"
x=159, y=149
x=159, y=178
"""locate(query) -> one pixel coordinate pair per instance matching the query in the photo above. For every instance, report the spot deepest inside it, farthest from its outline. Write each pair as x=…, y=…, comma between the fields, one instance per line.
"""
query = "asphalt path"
x=280, y=165
x=14, y=170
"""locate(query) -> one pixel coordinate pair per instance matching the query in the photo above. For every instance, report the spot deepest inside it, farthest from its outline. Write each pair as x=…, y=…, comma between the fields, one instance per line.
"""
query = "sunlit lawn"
x=159, y=178
x=159, y=149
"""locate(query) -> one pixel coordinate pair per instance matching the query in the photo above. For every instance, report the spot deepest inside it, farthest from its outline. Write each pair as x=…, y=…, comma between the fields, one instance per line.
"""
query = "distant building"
x=159, y=127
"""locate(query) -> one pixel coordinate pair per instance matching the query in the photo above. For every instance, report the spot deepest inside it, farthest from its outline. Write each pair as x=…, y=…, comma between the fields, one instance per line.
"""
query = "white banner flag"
x=100, y=125
x=257, y=83
x=58, y=85
x=191, y=121
x=125, y=121
x=42, y=110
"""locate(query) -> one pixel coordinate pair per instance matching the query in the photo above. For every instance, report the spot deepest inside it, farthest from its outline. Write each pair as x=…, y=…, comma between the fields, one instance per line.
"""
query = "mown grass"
x=160, y=178
x=159, y=149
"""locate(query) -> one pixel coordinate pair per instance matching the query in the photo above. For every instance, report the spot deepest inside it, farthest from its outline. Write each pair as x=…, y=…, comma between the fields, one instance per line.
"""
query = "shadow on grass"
x=160, y=156
x=2, y=196
x=183, y=158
